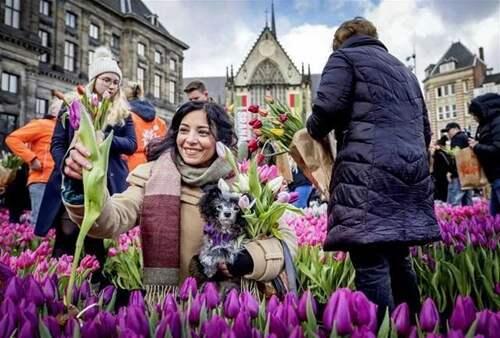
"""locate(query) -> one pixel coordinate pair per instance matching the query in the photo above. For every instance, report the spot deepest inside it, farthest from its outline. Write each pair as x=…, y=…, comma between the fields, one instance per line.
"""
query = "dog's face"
x=221, y=209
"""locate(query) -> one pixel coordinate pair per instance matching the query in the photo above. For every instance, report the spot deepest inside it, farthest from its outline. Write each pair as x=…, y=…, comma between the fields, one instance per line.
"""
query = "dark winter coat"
x=381, y=190
x=487, y=108
x=124, y=142
x=442, y=165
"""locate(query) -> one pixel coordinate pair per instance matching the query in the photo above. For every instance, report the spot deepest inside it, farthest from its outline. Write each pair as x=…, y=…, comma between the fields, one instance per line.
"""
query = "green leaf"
x=385, y=328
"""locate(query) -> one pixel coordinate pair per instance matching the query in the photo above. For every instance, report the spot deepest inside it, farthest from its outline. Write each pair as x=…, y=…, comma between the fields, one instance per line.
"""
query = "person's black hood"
x=485, y=106
x=144, y=109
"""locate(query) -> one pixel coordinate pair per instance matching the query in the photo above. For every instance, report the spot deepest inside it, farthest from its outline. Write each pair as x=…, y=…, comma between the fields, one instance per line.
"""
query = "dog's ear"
x=206, y=205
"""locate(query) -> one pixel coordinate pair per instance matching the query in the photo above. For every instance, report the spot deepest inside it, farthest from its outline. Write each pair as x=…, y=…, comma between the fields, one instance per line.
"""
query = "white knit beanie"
x=103, y=62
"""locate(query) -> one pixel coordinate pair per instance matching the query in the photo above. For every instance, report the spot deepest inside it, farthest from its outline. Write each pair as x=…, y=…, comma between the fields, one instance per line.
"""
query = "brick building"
x=48, y=44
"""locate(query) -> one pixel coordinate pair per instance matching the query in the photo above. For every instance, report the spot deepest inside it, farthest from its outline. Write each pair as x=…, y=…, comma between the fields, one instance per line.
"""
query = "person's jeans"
x=495, y=197
x=457, y=196
x=36, y=195
x=386, y=277
x=304, y=192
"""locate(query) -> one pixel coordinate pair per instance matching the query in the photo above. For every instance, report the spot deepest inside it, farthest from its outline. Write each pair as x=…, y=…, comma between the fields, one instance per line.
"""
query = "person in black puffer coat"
x=381, y=193
x=442, y=166
x=486, y=111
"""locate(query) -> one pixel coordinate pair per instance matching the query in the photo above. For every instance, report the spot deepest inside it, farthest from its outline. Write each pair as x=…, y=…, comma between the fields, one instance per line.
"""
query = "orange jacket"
x=145, y=132
x=33, y=141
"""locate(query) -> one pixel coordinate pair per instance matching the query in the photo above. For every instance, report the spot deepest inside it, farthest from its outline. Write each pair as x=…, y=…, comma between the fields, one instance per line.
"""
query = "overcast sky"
x=221, y=32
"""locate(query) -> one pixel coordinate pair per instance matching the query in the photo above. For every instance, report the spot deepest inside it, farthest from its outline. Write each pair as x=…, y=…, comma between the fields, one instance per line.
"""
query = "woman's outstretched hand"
x=76, y=161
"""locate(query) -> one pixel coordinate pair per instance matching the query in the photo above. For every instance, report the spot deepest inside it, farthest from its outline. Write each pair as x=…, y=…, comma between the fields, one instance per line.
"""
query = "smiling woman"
x=164, y=197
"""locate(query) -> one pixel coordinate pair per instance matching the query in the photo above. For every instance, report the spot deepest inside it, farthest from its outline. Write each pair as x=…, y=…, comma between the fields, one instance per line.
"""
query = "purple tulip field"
x=459, y=281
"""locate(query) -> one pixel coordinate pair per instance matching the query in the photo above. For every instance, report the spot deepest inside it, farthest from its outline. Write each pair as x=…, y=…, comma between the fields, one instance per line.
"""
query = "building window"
x=447, y=112
x=157, y=86
x=171, y=91
x=440, y=113
x=69, y=56
x=94, y=31
x=140, y=76
x=465, y=86
x=41, y=107
x=9, y=82
x=70, y=19
x=446, y=67
x=115, y=41
x=140, y=49
x=173, y=65
x=8, y=123
x=45, y=7
x=12, y=10
x=44, y=37
x=157, y=57
x=451, y=89
x=91, y=56
x=439, y=92
x=454, y=110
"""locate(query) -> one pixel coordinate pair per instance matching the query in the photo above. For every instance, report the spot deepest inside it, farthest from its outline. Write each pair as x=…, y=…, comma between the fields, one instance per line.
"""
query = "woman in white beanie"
x=104, y=81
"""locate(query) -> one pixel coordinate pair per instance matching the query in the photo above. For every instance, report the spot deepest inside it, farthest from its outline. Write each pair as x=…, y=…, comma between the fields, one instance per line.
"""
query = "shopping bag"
x=470, y=173
x=314, y=159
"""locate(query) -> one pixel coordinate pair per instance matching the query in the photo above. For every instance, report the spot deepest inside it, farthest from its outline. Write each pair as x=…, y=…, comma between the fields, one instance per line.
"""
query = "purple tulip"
x=215, y=327
x=413, y=332
x=401, y=319
x=28, y=329
x=211, y=295
x=107, y=294
x=84, y=290
x=137, y=321
x=107, y=324
x=483, y=321
x=7, y=326
x=337, y=312
x=231, y=304
x=291, y=299
x=91, y=304
x=463, y=314
x=49, y=289
x=294, y=197
x=14, y=289
x=248, y=302
x=297, y=332
x=272, y=304
x=429, y=315
x=241, y=326
x=137, y=299
x=174, y=324
x=277, y=326
x=194, y=310
x=169, y=304
x=52, y=324
x=256, y=333
x=188, y=288
x=71, y=326
x=302, y=308
x=74, y=114
x=362, y=310
x=497, y=288
x=161, y=328
x=90, y=329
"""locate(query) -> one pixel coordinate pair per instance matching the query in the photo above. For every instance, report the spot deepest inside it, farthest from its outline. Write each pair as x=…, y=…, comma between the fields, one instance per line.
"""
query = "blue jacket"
x=124, y=142
x=381, y=191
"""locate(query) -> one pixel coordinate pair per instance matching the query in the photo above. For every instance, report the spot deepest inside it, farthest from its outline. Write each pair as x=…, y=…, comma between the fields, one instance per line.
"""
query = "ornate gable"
x=267, y=63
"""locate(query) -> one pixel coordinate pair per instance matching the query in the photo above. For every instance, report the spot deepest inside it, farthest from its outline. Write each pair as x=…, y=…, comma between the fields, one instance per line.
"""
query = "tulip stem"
x=74, y=266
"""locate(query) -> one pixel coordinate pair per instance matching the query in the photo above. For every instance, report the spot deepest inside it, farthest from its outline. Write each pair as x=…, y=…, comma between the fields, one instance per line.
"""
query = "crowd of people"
x=381, y=196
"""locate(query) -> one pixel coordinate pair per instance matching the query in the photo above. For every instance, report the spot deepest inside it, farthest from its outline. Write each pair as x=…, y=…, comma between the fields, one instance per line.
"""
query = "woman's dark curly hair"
x=219, y=121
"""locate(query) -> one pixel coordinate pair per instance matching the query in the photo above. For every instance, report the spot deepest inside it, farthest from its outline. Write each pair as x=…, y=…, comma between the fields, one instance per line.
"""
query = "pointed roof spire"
x=273, y=23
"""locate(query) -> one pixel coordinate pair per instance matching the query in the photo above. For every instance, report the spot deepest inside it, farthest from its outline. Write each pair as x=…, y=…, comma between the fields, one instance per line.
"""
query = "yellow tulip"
x=278, y=131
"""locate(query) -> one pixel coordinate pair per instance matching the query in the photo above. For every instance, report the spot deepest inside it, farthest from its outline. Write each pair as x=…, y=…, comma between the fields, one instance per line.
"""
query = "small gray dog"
x=224, y=224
